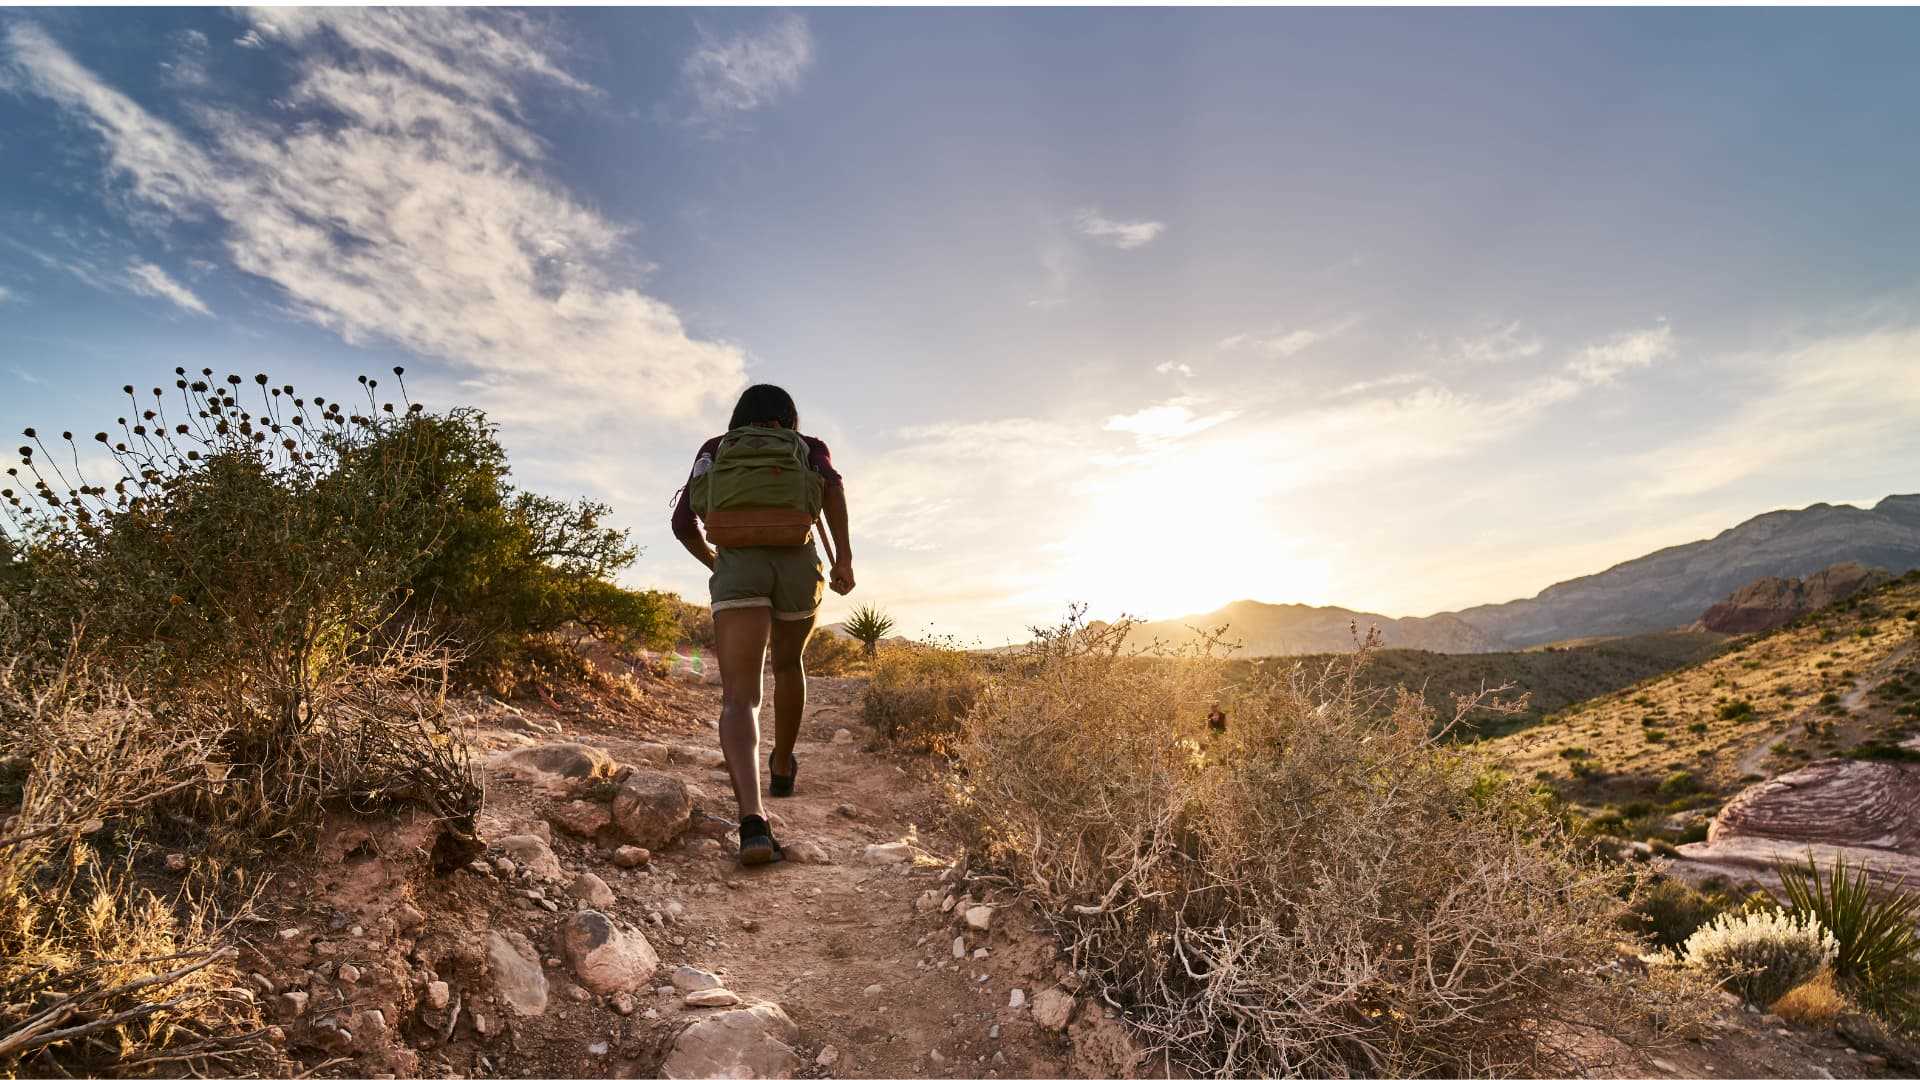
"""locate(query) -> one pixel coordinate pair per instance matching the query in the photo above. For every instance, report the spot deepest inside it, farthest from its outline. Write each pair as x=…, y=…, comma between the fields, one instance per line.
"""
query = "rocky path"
x=848, y=937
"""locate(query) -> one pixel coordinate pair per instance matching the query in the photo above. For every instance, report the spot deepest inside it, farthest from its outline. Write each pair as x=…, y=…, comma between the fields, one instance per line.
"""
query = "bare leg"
x=740, y=643
x=789, y=688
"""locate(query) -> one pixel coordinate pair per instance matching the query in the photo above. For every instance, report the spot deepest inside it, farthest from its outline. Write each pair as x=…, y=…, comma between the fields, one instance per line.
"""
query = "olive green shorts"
x=790, y=580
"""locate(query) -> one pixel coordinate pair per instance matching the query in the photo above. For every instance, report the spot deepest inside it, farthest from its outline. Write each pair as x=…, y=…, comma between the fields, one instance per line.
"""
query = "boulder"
x=514, y=971
x=716, y=998
x=532, y=854
x=689, y=979
x=592, y=891
x=750, y=1042
x=580, y=817
x=652, y=809
x=630, y=856
x=605, y=958
x=556, y=768
x=1867, y=812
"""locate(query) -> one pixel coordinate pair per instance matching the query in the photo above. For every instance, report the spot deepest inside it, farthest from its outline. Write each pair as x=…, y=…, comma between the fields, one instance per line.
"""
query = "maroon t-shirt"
x=817, y=458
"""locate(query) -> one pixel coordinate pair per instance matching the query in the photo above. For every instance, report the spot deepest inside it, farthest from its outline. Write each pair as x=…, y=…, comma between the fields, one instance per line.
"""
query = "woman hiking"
x=760, y=490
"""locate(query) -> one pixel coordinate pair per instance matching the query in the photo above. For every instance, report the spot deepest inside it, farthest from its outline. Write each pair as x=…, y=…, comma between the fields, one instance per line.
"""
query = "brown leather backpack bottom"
x=758, y=528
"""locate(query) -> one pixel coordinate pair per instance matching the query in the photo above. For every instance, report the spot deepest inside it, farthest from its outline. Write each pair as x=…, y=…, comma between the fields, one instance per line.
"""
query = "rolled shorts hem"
x=766, y=602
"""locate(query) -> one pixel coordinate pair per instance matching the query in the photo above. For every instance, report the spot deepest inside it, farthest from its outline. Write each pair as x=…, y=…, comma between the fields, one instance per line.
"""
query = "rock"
x=1017, y=999
x=372, y=1024
x=291, y=1004
x=927, y=901
x=349, y=974
x=690, y=979
x=936, y=1056
x=981, y=953
x=842, y=736
x=1102, y=1046
x=176, y=862
x=438, y=994
x=580, y=817
x=591, y=890
x=653, y=754
x=807, y=853
x=652, y=809
x=605, y=958
x=979, y=917
x=714, y=998
x=749, y=1042
x=959, y=947
x=1053, y=1008
x=1867, y=812
x=562, y=769
x=598, y=1049
x=629, y=856
x=515, y=974
x=533, y=854
x=332, y=1035
x=1664, y=1065
x=897, y=851
x=847, y=810
x=704, y=756
x=623, y=1003
x=506, y=867
x=407, y=918
x=828, y=1055
x=289, y=933
x=1772, y=602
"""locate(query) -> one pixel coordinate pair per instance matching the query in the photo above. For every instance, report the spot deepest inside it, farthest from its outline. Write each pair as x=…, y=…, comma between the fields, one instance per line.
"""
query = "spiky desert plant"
x=867, y=626
x=1877, y=954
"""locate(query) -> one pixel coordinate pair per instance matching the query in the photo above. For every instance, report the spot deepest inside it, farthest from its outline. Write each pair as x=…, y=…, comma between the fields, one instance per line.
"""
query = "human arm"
x=835, y=505
x=687, y=531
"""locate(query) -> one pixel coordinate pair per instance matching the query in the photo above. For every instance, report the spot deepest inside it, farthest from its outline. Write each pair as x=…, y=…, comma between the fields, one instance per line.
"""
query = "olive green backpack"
x=759, y=490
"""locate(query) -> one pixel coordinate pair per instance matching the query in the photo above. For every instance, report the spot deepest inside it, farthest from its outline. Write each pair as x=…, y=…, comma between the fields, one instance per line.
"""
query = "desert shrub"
x=1877, y=948
x=919, y=691
x=1736, y=710
x=830, y=654
x=1814, y=1003
x=1669, y=911
x=1328, y=888
x=696, y=623
x=1760, y=955
x=868, y=624
x=1678, y=783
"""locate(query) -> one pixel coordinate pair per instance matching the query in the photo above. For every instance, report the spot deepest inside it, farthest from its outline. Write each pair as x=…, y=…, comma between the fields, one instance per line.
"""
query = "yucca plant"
x=1877, y=957
x=867, y=626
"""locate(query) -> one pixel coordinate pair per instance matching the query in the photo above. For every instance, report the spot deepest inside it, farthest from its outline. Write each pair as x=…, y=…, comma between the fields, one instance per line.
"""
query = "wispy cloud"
x=748, y=71
x=149, y=280
x=1172, y=368
x=1497, y=345
x=251, y=40
x=188, y=68
x=1170, y=420
x=398, y=199
x=6, y=294
x=1602, y=362
x=1125, y=235
x=1282, y=343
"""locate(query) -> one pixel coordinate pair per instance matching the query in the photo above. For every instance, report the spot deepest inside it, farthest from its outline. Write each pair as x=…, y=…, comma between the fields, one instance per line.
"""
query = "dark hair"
x=765, y=402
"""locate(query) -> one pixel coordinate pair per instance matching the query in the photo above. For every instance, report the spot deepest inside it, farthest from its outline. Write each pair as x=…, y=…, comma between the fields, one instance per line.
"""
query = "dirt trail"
x=839, y=945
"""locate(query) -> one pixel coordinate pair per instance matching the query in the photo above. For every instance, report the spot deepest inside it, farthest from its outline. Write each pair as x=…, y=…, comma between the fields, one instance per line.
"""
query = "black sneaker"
x=782, y=786
x=757, y=845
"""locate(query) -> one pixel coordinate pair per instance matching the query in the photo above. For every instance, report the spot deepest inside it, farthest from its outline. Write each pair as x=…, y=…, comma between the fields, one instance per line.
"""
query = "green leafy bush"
x=1741, y=709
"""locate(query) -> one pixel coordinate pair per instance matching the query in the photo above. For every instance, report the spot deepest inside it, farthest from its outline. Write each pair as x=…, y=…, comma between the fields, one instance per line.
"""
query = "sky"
x=1402, y=310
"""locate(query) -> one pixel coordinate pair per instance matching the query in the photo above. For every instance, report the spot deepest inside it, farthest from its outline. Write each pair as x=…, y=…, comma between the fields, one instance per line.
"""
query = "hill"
x=1841, y=681
x=1553, y=677
x=1664, y=590
x=1774, y=601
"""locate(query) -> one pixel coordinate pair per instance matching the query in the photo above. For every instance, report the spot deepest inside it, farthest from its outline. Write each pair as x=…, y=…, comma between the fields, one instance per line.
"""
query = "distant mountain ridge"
x=1662, y=590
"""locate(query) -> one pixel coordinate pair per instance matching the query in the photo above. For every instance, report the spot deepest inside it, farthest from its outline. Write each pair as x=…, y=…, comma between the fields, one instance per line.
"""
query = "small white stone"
x=981, y=953
x=828, y=1055
x=874, y=990
x=979, y=917
x=1017, y=999
x=597, y=1049
x=959, y=947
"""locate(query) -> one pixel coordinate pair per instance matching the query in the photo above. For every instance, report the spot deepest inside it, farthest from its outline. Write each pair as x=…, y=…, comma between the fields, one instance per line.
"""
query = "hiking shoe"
x=757, y=845
x=782, y=786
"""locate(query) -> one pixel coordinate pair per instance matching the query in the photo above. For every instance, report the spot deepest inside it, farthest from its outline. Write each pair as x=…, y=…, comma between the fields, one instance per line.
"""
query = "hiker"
x=760, y=490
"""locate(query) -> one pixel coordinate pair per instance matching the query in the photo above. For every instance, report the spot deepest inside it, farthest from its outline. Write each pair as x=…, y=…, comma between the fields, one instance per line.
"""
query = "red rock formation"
x=1774, y=601
x=1865, y=811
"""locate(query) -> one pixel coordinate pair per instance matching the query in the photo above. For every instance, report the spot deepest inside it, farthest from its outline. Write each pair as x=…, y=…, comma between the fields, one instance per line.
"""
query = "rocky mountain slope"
x=1776, y=601
x=1660, y=591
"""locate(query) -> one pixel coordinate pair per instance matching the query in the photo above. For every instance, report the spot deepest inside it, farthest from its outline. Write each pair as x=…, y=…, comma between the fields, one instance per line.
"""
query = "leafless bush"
x=1318, y=891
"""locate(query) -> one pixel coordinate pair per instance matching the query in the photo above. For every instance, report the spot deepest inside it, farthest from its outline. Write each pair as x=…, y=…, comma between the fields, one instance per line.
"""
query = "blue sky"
x=1156, y=309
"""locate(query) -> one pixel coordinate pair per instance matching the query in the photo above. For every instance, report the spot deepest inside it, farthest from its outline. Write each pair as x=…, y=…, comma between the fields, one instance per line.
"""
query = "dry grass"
x=1329, y=888
x=1816, y=1003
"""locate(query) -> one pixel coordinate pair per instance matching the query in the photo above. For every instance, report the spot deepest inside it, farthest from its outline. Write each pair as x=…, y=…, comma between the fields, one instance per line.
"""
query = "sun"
x=1182, y=533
